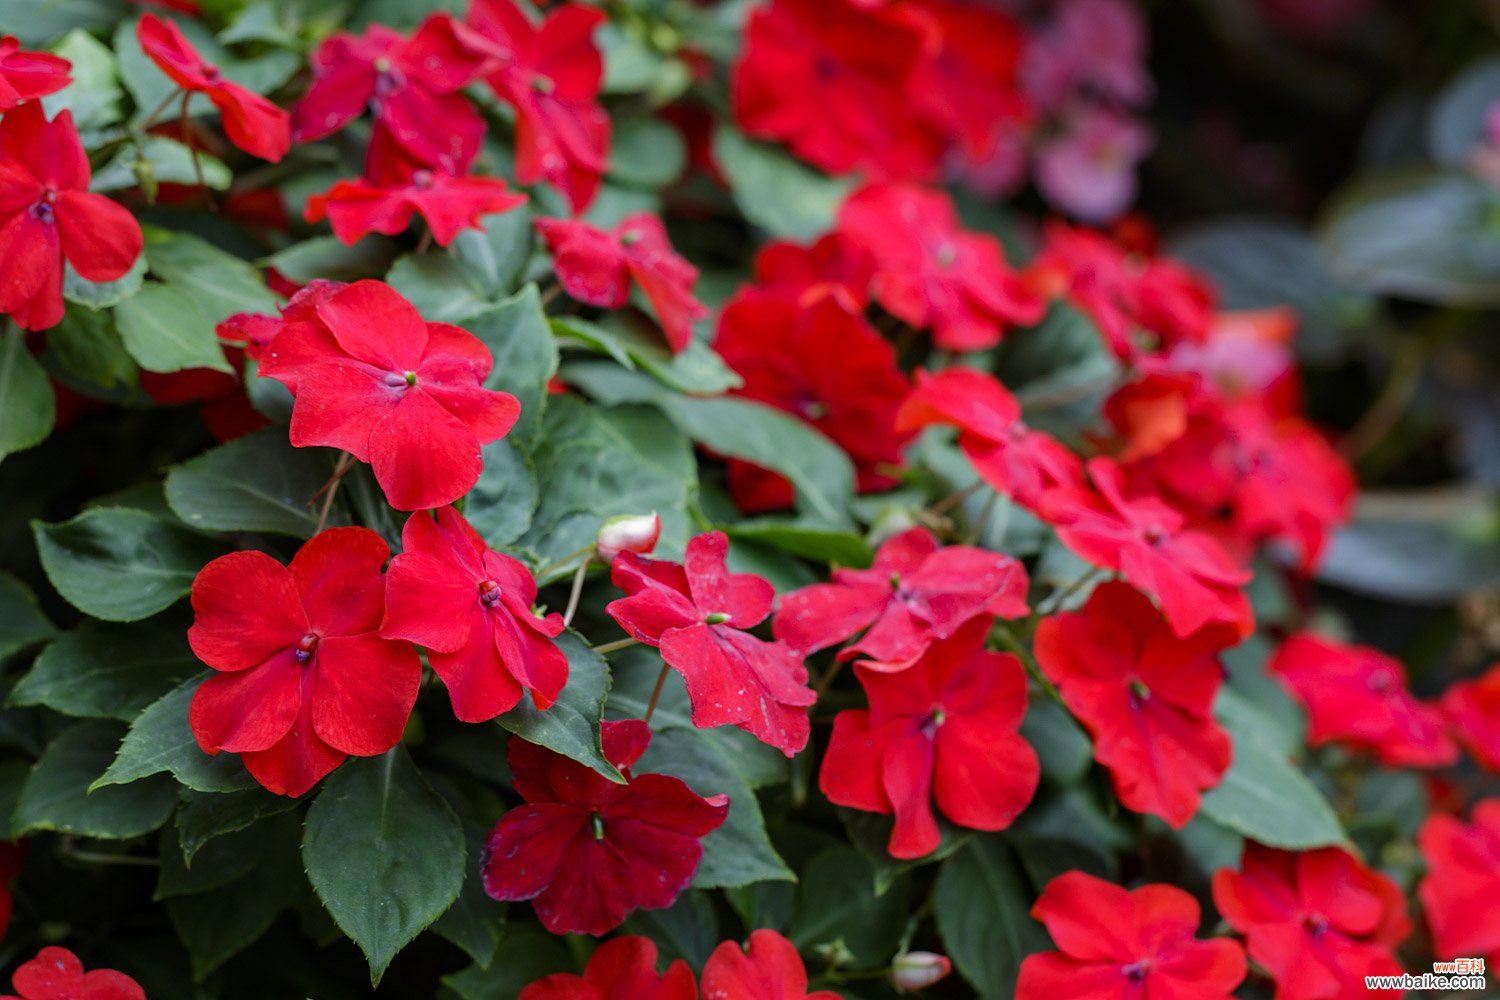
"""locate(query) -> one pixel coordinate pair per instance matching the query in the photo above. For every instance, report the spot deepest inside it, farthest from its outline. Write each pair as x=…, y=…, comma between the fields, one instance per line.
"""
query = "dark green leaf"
x=218, y=924
x=441, y=288
x=38, y=22
x=496, y=255
x=108, y=671
x=525, y=955
x=646, y=153
x=517, y=334
x=697, y=370
x=1060, y=743
x=169, y=162
x=326, y=257
x=86, y=345
x=871, y=833
x=165, y=330
x=57, y=796
x=22, y=623
x=221, y=283
x=688, y=929
x=776, y=192
x=254, y=483
x=809, y=541
x=161, y=740
x=837, y=903
x=571, y=726
x=502, y=502
x=27, y=404
x=474, y=920
x=982, y=909
x=205, y=816
x=97, y=295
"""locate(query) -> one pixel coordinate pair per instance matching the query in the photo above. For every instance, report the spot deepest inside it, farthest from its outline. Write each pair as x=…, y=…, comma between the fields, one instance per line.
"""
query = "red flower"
x=25, y=76
x=931, y=273
x=1357, y=696
x=1114, y=944
x=306, y=680
x=47, y=215
x=12, y=856
x=834, y=266
x=771, y=971
x=586, y=850
x=781, y=349
x=944, y=728
x=622, y=969
x=1461, y=893
x=1007, y=454
x=915, y=593
x=1188, y=572
x=969, y=85
x=252, y=122
x=1318, y=921
x=1473, y=711
x=412, y=83
x=551, y=75
x=57, y=974
x=696, y=613
x=1145, y=696
x=372, y=377
x=596, y=266
x=471, y=608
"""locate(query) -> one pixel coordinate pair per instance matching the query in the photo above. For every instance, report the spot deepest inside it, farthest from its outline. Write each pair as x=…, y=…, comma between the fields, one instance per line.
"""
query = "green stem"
x=577, y=591
x=661, y=679
x=616, y=646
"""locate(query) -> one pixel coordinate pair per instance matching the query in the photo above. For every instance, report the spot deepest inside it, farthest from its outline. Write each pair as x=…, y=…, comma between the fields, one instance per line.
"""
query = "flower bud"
x=628, y=533
x=917, y=970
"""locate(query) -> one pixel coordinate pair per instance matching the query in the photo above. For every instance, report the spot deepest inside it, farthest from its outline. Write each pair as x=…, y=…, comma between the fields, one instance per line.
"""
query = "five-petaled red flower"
x=944, y=728
x=372, y=377
x=47, y=215
x=471, y=608
x=622, y=969
x=1461, y=893
x=586, y=850
x=57, y=974
x=834, y=266
x=771, y=970
x=251, y=121
x=26, y=75
x=696, y=612
x=1114, y=944
x=1473, y=711
x=1317, y=921
x=914, y=593
x=597, y=266
x=305, y=678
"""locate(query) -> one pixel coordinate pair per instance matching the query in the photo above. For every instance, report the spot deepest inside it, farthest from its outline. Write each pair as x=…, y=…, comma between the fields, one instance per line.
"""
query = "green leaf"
x=1066, y=829
x=254, y=483
x=646, y=153
x=86, y=346
x=697, y=370
x=871, y=833
x=218, y=924
x=94, y=95
x=165, y=331
x=502, y=502
x=103, y=294
x=1456, y=123
x=27, y=404
x=384, y=853
x=688, y=929
x=57, y=796
x=1061, y=745
x=495, y=256
x=809, y=541
x=221, y=283
x=169, y=162
x=38, y=22
x=120, y=564
x=205, y=816
x=326, y=257
x=474, y=920
x=22, y=623
x=161, y=740
x=774, y=191
x=525, y=955
x=571, y=726
x=982, y=909
x=836, y=902
x=442, y=290
x=517, y=334
x=107, y=671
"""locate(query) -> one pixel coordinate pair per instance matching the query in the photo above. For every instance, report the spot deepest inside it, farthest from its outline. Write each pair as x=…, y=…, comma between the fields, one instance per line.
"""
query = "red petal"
x=100, y=238
x=338, y=574
x=252, y=122
x=734, y=678
x=376, y=324
x=295, y=763
x=249, y=709
x=422, y=455
x=529, y=847
x=245, y=608
x=477, y=680
x=428, y=601
x=826, y=614
x=363, y=692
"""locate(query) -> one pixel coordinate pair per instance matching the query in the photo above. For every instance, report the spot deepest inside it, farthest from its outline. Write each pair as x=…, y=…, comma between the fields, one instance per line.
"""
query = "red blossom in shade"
x=1144, y=539
x=252, y=122
x=1317, y=921
x=1473, y=711
x=223, y=404
x=305, y=678
x=945, y=728
x=12, y=856
x=471, y=608
x=1145, y=696
x=1461, y=893
x=25, y=75
x=372, y=377
x=930, y=272
x=597, y=266
x=1114, y=944
x=781, y=349
x=835, y=266
x=1013, y=458
x=57, y=974
x=622, y=969
x=696, y=613
x=771, y=970
x=586, y=850
x=914, y=593
x=551, y=75
x=1357, y=696
x=412, y=84
x=47, y=215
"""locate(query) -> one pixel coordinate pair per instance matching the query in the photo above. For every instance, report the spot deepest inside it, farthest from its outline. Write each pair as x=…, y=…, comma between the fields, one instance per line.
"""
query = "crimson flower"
x=1317, y=921
x=305, y=678
x=970, y=84
x=57, y=974
x=596, y=266
x=696, y=612
x=835, y=266
x=771, y=970
x=930, y=272
x=252, y=122
x=372, y=377
x=945, y=728
x=25, y=75
x=914, y=593
x=471, y=608
x=551, y=75
x=1473, y=711
x=1357, y=696
x=47, y=215
x=621, y=969
x=586, y=850
x=1461, y=892
x=1114, y=944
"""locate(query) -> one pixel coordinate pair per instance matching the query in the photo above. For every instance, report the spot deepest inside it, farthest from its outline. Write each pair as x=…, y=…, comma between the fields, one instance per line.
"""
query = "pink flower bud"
x=916, y=970
x=628, y=533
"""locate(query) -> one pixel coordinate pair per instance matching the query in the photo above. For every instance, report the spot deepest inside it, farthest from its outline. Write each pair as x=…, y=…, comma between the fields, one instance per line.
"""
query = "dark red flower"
x=622, y=969
x=914, y=593
x=1357, y=696
x=1317, y=921
x=25, y=75
x=772, y=970
x=551, y=75
x=586, y=850
x=471, y=608
x=834, y=266
x=47, y=215
x=932, y=273
x=372, y=377
x=12, y=856
x=223, y=404
x=597, y=265
x=252, y=122
x=1114, y=944
x=696, y=613
x=57, y=974
x=305, y=679
x=1473, y=711
x=945, y=728
x=1461, y=892
x=969, y=85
